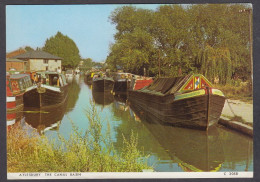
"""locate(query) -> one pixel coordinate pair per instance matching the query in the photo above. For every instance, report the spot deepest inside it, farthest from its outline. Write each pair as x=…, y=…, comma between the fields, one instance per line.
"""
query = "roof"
x=165, y=86
x=48, y=73
x=36, y=55
x=15, y=53
x=14, y=60
x=18, y=76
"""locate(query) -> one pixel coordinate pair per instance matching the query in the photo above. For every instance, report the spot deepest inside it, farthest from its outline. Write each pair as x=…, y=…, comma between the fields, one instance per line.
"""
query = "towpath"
x=241, y=109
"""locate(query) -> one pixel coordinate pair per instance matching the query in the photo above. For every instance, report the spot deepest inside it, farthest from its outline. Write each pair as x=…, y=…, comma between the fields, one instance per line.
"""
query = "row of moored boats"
x=187, y=101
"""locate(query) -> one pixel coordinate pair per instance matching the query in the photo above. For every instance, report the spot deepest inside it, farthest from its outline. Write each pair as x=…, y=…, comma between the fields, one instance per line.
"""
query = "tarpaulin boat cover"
x=167, y=85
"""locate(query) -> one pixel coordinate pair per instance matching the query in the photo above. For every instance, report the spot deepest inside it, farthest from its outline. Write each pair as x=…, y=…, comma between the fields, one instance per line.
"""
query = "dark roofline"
x=37, y=55
x=14, y=60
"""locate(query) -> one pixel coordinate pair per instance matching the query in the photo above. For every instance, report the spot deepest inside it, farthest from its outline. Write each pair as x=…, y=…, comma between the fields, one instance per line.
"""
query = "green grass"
x=82, y=152
x=237, y=92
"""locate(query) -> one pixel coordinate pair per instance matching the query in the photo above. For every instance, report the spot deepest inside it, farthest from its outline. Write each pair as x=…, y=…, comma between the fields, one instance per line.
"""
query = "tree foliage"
x=64, y=47
x=28, y=48
x=211, y=39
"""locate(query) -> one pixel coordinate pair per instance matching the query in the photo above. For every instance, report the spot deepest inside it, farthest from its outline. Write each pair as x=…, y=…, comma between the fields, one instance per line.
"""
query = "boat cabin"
x=50, y=78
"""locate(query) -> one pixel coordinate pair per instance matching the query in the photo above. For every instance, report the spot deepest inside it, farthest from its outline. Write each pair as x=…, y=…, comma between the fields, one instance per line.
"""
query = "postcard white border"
x=127, y=175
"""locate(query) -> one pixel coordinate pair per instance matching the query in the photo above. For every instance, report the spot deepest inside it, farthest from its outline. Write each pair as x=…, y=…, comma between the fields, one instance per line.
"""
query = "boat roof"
x=18, y=76
x=48, y=72
x=165, y=86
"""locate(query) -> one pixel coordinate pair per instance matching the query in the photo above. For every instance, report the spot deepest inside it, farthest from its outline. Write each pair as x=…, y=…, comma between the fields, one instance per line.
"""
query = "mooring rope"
x=231, y=108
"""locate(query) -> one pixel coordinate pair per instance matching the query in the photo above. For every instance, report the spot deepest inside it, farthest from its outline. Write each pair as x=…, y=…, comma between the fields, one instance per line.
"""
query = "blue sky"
x=87, y=25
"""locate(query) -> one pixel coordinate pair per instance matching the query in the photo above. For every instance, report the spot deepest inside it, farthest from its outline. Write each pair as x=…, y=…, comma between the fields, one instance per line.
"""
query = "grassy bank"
x=237, y=91
x=88, y=152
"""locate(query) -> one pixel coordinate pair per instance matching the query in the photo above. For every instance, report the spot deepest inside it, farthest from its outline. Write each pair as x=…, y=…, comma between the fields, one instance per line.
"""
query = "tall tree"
x=64, y=47
x=205, y=38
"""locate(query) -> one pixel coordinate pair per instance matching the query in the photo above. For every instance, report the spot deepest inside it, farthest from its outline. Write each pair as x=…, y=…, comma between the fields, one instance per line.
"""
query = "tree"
x=205, y=38
x=64, y=47
x=28, y=48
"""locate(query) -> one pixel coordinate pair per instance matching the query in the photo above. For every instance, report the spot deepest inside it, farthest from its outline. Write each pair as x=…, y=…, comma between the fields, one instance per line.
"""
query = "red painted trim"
x=10, y=116
x=10, y=105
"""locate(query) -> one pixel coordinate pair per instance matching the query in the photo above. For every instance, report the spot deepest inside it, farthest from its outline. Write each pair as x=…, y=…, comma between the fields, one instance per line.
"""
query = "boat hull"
x=121, y=86
x=103, y=85
x=45, y=98
x=199, y=112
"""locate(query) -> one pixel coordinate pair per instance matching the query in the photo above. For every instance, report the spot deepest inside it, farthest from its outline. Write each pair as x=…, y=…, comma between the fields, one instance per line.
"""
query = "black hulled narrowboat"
x=188, y=101
x=122, y=82
x=50, y=89
x=102, y=83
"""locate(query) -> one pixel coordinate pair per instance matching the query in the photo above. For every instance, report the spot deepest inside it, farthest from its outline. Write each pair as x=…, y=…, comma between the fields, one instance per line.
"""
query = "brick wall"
x=18, y=66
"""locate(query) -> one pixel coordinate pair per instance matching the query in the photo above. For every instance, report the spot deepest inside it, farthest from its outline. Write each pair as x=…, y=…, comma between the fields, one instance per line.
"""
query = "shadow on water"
x=73, y=94
x=195, y=150
x=170, y=148
x=103, y=98
x=45, y=119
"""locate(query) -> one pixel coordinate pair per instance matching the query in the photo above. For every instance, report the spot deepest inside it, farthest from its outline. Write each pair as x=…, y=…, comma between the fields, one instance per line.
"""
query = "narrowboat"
x=188, y=101
x=122, y=82
x=102, y=83
x=89, y=77
x=139, y=82
x=50, y=89
x=16, y=86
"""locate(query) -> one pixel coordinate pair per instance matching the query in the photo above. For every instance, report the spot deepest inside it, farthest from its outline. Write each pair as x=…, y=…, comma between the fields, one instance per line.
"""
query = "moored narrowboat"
x=102, y=83
x=122, y=82
x=139, y=82
x=50, y=89
x=188, y=101
x=16, y=86
x=89, y=77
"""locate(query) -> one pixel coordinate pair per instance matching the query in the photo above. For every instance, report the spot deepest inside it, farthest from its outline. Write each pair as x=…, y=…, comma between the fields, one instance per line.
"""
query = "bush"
x=89, y=152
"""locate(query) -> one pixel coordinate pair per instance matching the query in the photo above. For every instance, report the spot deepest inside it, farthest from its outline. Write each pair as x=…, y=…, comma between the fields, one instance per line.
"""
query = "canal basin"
x=169, y=148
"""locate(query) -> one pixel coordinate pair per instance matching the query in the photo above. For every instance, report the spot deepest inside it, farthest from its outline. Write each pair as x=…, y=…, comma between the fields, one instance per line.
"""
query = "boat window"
x=53, y=80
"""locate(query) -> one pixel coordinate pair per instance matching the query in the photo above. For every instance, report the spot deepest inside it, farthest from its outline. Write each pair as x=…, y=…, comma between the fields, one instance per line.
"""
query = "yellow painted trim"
x=190, y=94
x=217, y=92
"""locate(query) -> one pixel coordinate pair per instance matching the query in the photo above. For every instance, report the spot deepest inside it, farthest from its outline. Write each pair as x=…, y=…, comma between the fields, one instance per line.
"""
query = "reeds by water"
x=88, y=152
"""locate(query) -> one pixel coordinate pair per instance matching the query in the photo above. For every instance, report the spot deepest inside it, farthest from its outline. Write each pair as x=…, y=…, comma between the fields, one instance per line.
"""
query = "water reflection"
x=170, y=148
x=45, y=119
x=103, y=98
x=73, y=94
x=195, y=150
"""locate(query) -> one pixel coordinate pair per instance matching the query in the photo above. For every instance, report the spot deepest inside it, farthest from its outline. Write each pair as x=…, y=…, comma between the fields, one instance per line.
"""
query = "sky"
x=87, y=25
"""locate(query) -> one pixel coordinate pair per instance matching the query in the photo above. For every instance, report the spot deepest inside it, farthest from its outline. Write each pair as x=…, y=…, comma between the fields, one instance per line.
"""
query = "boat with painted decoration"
x=139, y=82
x=89, y=77
x=51, y=89
x=188, y=101
x=16, y=86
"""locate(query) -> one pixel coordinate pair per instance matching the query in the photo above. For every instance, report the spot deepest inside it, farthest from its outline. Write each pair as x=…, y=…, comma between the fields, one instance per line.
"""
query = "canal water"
x=170, y=149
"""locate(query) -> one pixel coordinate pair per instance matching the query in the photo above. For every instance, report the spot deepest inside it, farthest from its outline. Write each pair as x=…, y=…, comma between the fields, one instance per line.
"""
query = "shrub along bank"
x=88, y=152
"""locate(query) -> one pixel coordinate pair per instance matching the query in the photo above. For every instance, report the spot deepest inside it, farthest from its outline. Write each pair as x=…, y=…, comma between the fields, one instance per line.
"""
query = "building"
x=15, y=53
x=15, y=65
x=40, y=61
